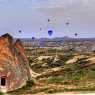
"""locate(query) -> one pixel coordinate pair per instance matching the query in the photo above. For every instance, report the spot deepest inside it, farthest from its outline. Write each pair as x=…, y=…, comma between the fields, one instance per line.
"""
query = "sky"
x=31, y=17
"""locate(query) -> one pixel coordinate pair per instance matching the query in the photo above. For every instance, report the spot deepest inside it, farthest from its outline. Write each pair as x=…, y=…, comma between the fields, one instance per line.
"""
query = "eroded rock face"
x=14, y=66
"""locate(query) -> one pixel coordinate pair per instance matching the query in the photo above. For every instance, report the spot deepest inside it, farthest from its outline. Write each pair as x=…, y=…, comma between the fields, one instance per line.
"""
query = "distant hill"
x=56, y=39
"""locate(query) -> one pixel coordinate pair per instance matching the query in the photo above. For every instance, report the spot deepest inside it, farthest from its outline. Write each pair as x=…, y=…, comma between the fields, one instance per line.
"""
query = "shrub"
x=55, y=79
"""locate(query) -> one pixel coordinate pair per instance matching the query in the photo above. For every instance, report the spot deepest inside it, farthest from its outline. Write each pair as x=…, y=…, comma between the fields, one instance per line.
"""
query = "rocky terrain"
x=66, y=71
x=52, y=69
x=14, y=65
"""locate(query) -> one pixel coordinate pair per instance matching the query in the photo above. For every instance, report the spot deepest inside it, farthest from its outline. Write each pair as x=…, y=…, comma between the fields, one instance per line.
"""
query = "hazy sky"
x=31, y=15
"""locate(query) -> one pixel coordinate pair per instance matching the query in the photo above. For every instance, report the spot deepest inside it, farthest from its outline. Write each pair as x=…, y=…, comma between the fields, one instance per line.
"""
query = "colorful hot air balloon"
x=50, y=32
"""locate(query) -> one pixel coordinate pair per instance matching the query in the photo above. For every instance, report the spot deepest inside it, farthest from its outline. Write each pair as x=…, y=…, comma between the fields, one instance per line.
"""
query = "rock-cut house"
x=14, y=66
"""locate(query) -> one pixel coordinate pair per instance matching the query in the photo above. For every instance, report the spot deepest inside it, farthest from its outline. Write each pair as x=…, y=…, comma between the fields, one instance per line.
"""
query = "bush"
x=67, y=83
x=30, y=61
x=30, y=83
x=55, y=79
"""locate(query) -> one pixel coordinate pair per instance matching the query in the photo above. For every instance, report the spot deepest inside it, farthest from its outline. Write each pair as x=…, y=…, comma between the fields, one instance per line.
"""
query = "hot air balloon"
x=19, y=31
x=67, y=23
x=40, y=28
x=50, y=32
x=33, y=38
x=48, y=20
x=76, y=34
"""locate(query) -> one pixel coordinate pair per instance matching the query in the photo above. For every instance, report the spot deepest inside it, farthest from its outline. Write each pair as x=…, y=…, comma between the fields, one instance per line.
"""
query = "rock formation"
x=14, y=66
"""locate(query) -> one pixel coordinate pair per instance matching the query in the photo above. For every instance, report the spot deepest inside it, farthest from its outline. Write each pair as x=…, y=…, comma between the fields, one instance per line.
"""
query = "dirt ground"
x=67, y=93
